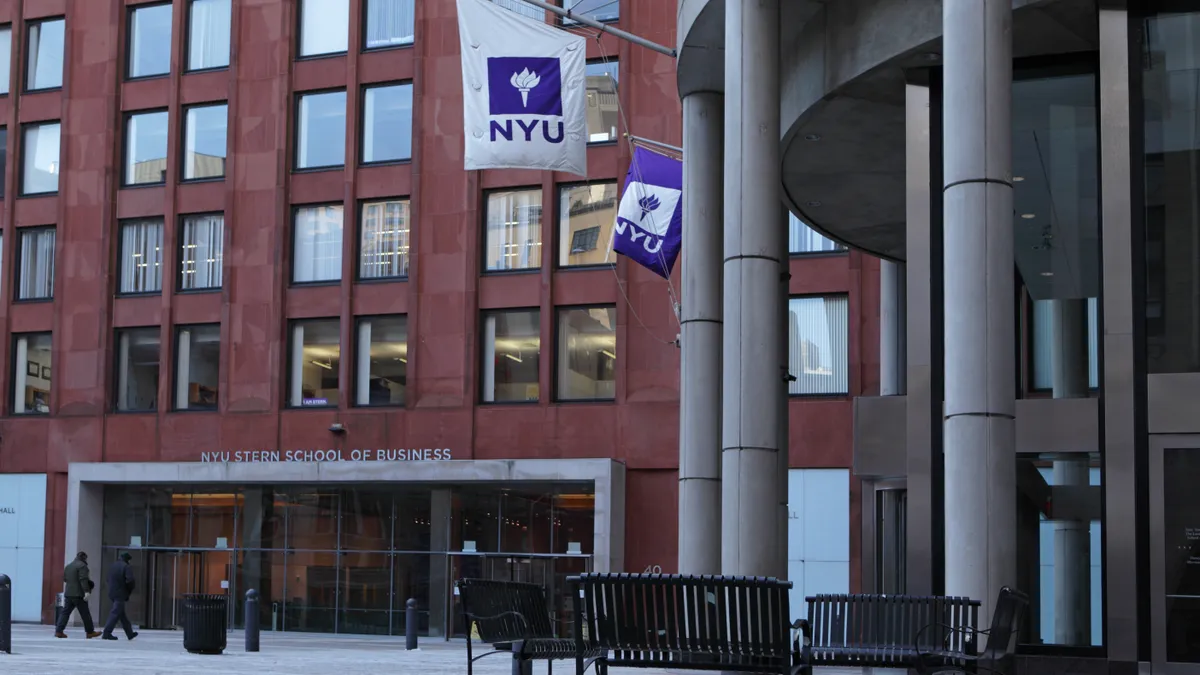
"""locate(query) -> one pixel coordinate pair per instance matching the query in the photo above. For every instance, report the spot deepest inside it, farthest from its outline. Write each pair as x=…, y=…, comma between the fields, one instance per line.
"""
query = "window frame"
x=483, y=228
x=121, y=223
x=177, y=329
x=559, y=237
x=9, y=26
x=358, y=242
x=363, y=32
x=604, y=61
x=116, y=364
x=30, y=23
x=358, y=322
x=298, y=98
x=187, y=43
x=291, y=355
x=362, y=126
x=183, y=150
x=555, y=389
x=849, y=324
x=4, y=160
x=20, y=244
x=300, y=35
x=130, y=10
x=127, y=118
x=291, y=239
x=180, y=224
x=21, y=191
x=841, y=250
x=12, y=370
x=483, y=315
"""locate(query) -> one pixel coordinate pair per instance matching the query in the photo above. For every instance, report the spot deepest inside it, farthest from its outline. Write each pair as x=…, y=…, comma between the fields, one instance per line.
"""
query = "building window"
x=586, y=216
x=804, y=239
x=522, y=7
x=39, y=174
x=324, y=27
x=384, y=242
x=3, y=157
x=387, y=123
x=317, y=244
x=602, y=110
x=35, y=280
x=5, y=56
x=208, y=34
x=31, y=374
x=197, y=366
x=382, y=373
x=390, y=23
x=149, y=41
x=201, y=248
x=137, y=355
x=44, y=62
x=598, y=10
x=511, y=346
x=146, y=148
x=321, y=130
x=141, y=256
x=513, y=231
x=1043, y=344
x=204, y=141
x=587, y=353
x=315, y=356
x=818, y=345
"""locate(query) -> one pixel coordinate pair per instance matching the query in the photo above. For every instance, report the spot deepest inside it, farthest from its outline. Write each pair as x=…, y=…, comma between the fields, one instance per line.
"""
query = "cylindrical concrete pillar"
x=893, y=369
x=755, y=247
x=979, y=439
x=700, y=337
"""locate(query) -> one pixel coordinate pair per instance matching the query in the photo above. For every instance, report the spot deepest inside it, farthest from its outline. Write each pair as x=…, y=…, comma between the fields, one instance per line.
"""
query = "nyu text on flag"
x=524, y=92
x=649, y=226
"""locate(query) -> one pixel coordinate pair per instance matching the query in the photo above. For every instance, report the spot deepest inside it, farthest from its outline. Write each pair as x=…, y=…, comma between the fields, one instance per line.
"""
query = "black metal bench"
x=514, y=618
x=925, y=633
x=738, y=624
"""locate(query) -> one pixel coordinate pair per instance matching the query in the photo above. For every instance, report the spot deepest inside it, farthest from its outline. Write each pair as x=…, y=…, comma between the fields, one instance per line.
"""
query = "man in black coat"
x=77, y=589
x=120, y=587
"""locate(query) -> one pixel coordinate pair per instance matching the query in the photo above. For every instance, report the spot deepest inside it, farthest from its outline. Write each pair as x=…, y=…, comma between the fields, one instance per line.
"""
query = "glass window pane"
x=35, y=280
x=32, y=374
x=5, y=55
x=383, y=247
x=1043, y=344
x=150, y=41
x=587, y=353
x=818, y=342
x=382, y=360
x=511, y=347
x=204, y=142
x=146, y=148
x=317, y=244
x=141, y=256
x=602, y=111
x=316, y=353
x=321, y=130
x=523, y=8
x=387, y=123
x=513, y=231
x=208, y=34
x=600, y=10
x=324, y=26
x=586, y=217
x=804, y=239
x=197, y=367
x=201, y=248
x=137, y=354
x=390, y=23
x=3, y=158
x=44, y=65
x=40, y=173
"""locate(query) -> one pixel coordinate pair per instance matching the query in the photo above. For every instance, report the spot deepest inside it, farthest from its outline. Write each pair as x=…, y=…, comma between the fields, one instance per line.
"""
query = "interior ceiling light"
x=1028, y=216
x=1018, y=179
x=1047, y=274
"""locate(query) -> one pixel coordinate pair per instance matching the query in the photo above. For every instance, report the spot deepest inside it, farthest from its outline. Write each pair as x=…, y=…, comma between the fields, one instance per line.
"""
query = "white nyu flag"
x=524, y=91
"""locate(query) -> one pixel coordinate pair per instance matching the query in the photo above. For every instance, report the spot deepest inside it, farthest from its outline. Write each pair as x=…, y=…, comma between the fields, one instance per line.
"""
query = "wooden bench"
x=925, y=633
x=513, y=617
x=732, y=624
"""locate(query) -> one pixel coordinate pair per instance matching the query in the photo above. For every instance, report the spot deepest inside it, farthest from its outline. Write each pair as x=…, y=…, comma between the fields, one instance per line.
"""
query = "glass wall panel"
x=324, y=26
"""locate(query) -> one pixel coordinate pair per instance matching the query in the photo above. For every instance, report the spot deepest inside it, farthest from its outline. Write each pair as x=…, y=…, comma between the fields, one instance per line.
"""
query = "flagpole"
x=603, y=28
x=657, y=144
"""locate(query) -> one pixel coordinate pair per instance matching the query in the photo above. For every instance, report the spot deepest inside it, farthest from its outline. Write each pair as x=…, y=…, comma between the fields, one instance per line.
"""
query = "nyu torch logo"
x=645, y=214
x=525, y=92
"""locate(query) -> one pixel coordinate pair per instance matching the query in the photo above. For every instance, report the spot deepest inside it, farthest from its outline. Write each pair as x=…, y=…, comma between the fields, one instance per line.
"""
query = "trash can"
x=204, y=623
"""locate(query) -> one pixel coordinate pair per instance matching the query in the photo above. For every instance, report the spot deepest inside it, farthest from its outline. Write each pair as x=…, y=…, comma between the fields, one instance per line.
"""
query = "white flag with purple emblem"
x=649, y=225
x=524, y=91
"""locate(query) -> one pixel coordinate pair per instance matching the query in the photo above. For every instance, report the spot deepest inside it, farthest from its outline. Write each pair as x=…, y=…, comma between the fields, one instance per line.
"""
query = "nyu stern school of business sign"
x=331, y=455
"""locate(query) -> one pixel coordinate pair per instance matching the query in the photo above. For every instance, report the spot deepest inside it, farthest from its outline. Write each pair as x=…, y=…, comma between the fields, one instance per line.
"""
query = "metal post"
x=251, y=620
x=410, y=624
x=602, y=27
x=5, y=614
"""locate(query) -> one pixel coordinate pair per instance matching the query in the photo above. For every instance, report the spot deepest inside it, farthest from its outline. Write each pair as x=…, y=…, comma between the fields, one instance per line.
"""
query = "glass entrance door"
x=1175, y=553
x=171, y=575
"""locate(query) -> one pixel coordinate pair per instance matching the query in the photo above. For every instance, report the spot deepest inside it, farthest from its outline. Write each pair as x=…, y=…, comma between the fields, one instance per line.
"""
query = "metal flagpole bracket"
x=603, y=28
x=654, y=144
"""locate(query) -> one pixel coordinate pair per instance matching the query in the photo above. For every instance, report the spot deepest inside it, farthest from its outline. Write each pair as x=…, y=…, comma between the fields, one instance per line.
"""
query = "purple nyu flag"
x=649, y=226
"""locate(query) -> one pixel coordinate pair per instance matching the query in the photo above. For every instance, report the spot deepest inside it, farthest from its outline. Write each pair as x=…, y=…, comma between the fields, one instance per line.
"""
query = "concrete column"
x=1072, y=537
x=440, y=513
x=979, y=441
x=700, y=337
x=893, y=369
x=755, y=247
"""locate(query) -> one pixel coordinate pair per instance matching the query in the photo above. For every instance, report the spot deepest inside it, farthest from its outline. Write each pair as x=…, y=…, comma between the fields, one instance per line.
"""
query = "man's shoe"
x=93, y=634
x=133, y=635
x=59, y=634
x=108, y=637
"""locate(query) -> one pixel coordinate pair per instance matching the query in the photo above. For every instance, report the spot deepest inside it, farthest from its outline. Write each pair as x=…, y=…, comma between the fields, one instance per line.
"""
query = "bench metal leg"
x=520, y=665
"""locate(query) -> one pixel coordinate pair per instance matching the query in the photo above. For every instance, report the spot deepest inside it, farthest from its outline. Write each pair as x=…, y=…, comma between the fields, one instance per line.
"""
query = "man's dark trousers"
x=118, y=614
x=70, y=605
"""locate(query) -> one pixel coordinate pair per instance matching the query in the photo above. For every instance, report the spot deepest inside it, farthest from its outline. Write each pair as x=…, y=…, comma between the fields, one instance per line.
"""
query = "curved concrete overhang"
x=844, y=67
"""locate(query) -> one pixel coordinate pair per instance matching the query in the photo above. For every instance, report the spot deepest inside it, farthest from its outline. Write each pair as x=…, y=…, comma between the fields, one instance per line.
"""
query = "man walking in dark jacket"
x=120, y=587
x=78, y=588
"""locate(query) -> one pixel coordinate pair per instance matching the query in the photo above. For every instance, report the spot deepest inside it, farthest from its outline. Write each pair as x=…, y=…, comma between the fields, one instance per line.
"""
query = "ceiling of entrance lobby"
x=844, y=68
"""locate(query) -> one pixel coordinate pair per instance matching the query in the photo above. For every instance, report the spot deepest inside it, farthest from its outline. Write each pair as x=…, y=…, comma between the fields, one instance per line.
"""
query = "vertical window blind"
x=818, y=345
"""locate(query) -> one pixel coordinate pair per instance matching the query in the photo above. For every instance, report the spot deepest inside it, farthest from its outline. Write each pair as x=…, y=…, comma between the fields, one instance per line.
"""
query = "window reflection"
x=586, y=217
x=587, y=353
x=511, y=346
x=602, y=106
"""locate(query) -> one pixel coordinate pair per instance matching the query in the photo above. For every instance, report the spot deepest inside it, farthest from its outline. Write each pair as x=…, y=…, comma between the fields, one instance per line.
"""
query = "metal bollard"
x=251, y=620
x=410, y=624
x=5, y=614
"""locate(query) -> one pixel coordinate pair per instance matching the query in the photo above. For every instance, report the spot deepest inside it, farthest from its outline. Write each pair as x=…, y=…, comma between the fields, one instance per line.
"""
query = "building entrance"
x=171, y=575
x=1175, y=554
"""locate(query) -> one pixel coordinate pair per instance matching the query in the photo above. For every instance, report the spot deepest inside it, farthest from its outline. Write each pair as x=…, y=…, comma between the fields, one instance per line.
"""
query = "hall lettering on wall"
x=331, y=455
